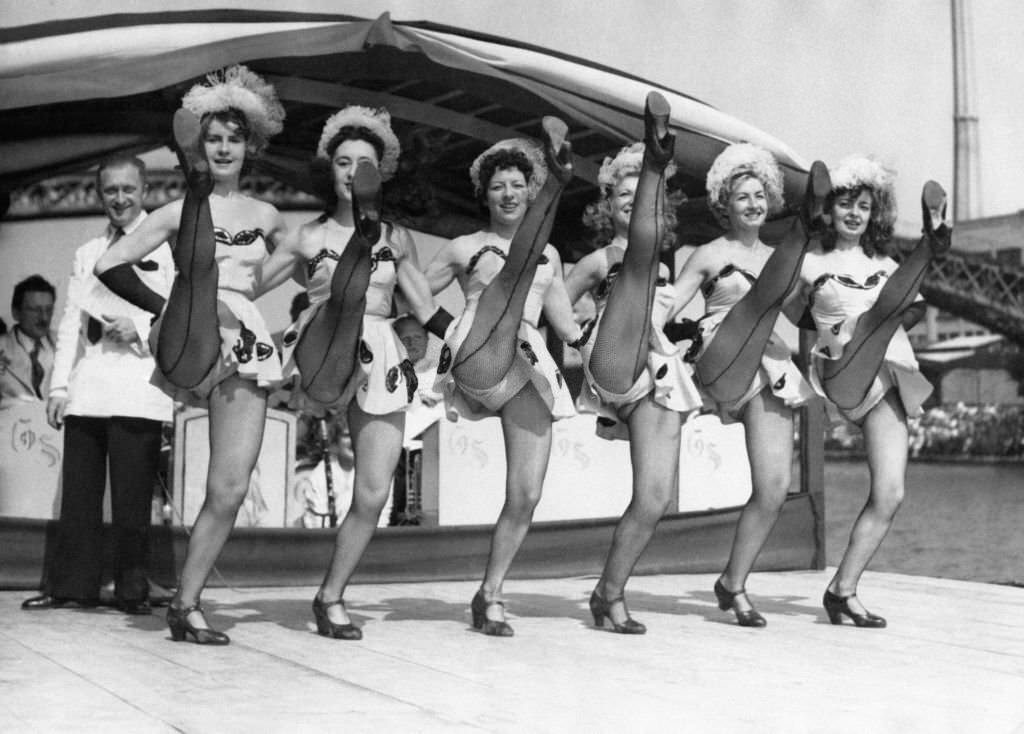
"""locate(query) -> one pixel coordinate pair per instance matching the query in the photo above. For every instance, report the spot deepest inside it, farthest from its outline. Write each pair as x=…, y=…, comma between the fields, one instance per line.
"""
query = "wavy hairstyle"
x=321, y=167
x=737, y=162
x=852, y=176
x=597, y=216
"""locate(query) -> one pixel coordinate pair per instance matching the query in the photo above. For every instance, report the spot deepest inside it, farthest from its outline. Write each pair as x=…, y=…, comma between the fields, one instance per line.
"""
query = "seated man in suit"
x=26, y=351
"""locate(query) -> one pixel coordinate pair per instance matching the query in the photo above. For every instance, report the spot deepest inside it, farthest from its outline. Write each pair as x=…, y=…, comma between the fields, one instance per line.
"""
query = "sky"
x=829, y=78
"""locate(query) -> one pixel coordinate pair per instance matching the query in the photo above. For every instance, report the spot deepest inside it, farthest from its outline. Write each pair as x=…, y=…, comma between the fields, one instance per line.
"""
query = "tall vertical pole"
x=966, y=173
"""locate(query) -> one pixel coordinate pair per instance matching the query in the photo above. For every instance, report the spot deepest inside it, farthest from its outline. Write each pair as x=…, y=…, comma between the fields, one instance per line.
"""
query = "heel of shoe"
x=181, y=629
x=491, y=627
x=933, y=200
x=366, y=201
x=177, y=631
x=326, y=628
x=659, y=142
x=727, y=600
x=557, y=149
x=478, y=610
x=819, y=186
x=601, y=609
x=836, y=606
x=187, y=131
x=597, y=609
x=724, y=596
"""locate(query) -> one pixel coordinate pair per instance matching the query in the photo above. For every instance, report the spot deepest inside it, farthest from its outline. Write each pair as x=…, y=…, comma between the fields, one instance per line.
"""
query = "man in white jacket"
x=101, y=395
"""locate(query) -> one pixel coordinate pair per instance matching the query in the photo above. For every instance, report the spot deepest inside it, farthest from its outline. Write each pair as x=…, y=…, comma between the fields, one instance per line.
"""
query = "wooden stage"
x=952, y=660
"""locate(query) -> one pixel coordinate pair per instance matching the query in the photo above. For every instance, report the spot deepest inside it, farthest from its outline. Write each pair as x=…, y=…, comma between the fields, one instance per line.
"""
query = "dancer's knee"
x=225, y=495
x=369, y=501
x=652, y=503
x=886, y=498
x=522, y=499
x=769, y=492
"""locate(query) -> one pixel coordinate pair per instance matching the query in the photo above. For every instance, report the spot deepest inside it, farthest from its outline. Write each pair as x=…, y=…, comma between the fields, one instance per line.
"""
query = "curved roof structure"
x=75, y=90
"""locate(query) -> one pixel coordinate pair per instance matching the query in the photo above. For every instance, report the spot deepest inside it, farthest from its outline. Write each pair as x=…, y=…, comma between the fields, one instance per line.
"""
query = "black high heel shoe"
x=812, y=209
x=659, y=142
x=933, y=200
x=326, y=628
x=188, y=131
x=491, y=627
x=367, y=201
x=727, y=601
x=557, y=150
x=836, y=606
x=181, y=628
x=601, y=608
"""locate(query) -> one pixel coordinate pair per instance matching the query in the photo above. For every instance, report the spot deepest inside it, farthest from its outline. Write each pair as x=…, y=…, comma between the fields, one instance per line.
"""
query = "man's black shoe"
x=140, y=607
x=46, y=601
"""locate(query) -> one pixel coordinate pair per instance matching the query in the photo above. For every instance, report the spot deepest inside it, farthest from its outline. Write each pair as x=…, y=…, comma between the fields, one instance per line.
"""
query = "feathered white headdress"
x=238, y=88
x=627, y=162
x=739, y=159
x=377, y=121
x=534, y=154
x=859, y=171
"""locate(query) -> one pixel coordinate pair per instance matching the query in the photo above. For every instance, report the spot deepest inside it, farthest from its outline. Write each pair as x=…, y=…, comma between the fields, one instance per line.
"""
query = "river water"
x=959, y=521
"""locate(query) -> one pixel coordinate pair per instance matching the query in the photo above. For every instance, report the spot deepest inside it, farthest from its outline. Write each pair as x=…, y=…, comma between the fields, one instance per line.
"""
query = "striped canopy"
x=76, y=90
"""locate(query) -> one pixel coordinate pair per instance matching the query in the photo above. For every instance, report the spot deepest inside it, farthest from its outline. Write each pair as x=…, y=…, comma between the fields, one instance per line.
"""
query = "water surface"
x=958, y=521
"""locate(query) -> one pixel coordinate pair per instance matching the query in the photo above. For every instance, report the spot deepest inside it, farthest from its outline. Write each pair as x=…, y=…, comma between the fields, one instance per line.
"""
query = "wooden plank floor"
x=952, y=660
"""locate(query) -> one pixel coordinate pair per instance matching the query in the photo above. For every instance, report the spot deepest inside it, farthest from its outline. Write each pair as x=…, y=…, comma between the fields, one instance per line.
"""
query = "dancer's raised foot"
x=367, y=201
x=812, y=210
x=933, y=215
x=188, y=132
x=557, y=150
x=659, y=142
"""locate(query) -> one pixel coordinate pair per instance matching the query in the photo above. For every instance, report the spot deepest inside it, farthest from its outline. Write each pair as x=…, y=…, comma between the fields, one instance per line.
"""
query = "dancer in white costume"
x=745, y=283
x=627, y=275
x=341, y=351
x=862, y=302
x=494, y=360
x=212, y=347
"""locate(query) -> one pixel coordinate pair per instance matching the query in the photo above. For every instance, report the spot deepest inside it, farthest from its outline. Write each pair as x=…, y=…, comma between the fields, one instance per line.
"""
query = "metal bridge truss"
x=979, y=289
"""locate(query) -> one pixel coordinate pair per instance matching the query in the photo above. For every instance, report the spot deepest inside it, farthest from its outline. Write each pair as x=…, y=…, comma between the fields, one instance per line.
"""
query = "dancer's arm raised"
x=114, y=268
x=159, y=227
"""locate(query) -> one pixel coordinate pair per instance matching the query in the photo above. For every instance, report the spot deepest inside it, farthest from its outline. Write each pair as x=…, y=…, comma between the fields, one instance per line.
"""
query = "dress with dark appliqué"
x=837, y=303
x=533, y=363
x=384, y=380
x=247, y=349
x=777, y=370
x=666, y=378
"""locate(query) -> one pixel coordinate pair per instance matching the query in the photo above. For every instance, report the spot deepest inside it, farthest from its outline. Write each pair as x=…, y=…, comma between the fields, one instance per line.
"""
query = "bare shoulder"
x=462, y=248
x=815, y=264
x=267, y=213
x=886, y=263
x=551, y=253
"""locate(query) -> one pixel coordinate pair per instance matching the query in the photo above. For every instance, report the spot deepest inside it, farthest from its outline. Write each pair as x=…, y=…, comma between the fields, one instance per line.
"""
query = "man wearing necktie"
x=27, y=350
x=100, y=394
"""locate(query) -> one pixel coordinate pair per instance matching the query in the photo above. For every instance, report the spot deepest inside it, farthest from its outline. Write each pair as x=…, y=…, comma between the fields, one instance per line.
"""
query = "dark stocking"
x=620, y=349
x=189, y=342
x=848, y=379
x=731, y=360
x=487, y=353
